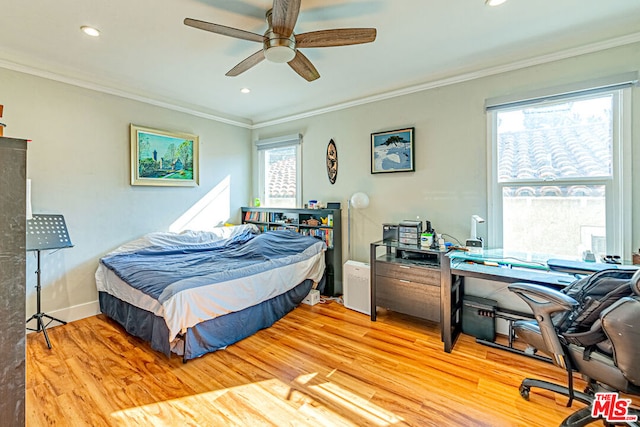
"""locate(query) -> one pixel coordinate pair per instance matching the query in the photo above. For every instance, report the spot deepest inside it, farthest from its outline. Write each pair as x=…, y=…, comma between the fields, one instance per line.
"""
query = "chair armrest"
x=542, y=298
x=544, y=302
x=635, y=282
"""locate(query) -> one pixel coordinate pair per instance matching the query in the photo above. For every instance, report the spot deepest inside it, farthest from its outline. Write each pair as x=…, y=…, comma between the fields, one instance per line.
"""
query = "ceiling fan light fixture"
x=280, y=54
x=279, y=49
x=494, y=2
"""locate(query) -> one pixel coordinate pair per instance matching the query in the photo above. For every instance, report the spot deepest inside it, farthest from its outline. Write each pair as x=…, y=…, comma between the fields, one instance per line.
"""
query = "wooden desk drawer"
x=415, y=299
x=411, y=273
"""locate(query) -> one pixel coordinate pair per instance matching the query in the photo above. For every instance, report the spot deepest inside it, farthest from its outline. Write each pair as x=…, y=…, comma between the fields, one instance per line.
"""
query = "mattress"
x=267, y=267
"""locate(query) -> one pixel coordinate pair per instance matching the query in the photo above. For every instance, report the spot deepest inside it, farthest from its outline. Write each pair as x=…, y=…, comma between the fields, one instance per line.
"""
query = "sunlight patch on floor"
x=167, y=413
x=350, y=401
x=250, y=403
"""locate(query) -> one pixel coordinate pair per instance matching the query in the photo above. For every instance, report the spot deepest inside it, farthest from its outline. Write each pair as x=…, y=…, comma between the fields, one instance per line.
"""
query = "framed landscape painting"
x=163, y=158
x=392, y=151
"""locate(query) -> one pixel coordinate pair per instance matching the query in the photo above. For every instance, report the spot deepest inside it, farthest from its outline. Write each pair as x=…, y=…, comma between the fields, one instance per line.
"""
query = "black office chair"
x=611, y=365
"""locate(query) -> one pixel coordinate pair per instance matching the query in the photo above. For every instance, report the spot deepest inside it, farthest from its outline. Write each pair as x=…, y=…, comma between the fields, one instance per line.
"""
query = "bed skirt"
x=208, y=336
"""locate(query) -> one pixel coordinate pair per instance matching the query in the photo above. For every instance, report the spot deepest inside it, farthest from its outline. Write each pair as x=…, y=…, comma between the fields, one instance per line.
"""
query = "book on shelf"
x=254, y=216
x=284, y=227
x=283, y=221
x=324, y=234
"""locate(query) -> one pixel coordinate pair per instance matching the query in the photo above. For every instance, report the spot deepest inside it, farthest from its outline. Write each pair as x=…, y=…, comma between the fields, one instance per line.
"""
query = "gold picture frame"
x=163, y=158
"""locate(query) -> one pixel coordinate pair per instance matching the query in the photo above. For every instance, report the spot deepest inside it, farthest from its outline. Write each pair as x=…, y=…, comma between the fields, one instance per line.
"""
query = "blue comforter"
x=162, y=272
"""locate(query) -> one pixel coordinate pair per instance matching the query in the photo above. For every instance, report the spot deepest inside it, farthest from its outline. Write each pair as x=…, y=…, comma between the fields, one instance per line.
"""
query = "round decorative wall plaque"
x=332, y=162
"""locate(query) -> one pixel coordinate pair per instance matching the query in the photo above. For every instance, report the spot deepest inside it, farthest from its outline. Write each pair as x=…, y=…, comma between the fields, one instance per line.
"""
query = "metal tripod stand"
x=40, y=326
x=45, y=232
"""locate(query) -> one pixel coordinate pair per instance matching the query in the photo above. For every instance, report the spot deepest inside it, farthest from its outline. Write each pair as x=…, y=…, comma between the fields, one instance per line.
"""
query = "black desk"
x=434, y=289
x=507, y=269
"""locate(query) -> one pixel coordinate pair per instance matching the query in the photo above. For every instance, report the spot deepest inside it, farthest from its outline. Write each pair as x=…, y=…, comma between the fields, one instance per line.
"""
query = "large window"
x=557, y=182
x=279, y=171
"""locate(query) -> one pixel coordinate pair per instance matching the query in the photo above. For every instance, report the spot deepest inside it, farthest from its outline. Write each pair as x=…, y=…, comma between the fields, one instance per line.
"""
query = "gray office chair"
x=611, y=365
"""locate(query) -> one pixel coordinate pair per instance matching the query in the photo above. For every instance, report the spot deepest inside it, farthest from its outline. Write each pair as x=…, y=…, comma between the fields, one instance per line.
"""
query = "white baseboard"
x=71, y=314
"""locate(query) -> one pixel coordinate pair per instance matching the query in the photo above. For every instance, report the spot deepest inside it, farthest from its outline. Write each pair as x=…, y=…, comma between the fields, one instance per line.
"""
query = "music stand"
x=45, y=232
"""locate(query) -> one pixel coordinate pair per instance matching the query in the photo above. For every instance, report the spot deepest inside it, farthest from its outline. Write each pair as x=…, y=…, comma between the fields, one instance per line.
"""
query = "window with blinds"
x=557, y=181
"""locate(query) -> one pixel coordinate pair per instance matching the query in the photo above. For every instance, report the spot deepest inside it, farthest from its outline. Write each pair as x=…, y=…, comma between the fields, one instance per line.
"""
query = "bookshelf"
x=308, y=222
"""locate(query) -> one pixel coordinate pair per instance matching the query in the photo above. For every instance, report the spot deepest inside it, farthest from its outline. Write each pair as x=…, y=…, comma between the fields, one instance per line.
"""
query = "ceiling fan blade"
x=243, y=66
x=336, y=37
x=304, y=67
x=284, y=16
x=225, y=31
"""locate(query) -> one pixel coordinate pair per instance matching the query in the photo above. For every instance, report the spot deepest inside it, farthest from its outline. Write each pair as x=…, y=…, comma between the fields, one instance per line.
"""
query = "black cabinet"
x=417, y=281
x=408, y=288
x=324, y=224
x=13, y=182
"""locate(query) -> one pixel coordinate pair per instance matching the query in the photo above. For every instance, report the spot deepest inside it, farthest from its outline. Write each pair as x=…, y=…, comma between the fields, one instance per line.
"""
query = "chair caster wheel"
x=588, y=390
x=524, y=391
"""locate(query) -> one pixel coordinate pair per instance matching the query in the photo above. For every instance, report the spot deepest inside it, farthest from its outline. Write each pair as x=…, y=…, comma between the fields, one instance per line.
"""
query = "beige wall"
x=78, y=161
x=450, y=181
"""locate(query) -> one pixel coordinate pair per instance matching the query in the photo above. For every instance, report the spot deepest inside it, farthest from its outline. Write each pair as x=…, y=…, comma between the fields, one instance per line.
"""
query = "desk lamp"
x=474, y=243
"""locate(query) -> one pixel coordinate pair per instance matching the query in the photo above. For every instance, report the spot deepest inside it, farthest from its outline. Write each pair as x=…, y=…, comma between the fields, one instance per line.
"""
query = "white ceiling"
x=146, y=52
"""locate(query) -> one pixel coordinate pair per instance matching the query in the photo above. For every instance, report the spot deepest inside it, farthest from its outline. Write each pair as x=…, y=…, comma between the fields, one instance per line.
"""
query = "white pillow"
x=184, y=238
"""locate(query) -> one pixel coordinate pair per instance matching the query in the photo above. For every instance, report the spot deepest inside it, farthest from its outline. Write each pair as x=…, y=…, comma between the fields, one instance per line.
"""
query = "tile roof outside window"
x=539, y=149
x=282, y=178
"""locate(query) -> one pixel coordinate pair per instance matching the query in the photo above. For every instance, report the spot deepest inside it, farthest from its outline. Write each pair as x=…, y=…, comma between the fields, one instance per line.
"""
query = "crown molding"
x=530, y=62
x=118, y=92
x=538, y=60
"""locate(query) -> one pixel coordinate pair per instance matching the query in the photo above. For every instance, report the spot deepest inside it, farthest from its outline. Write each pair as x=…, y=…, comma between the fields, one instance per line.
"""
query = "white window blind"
x=603, y=84
x=280, y=141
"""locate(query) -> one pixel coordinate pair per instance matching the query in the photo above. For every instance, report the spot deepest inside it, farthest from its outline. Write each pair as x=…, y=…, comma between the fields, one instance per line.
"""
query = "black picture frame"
x=393, y=151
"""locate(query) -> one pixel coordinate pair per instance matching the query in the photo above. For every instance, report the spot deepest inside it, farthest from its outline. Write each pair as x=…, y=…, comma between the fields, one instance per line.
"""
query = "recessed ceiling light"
x=494, y=2
x=90, y=31
x=245, y=90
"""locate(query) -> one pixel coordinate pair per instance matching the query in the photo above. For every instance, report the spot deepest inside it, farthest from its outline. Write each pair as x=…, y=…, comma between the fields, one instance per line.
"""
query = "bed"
x=194, y=292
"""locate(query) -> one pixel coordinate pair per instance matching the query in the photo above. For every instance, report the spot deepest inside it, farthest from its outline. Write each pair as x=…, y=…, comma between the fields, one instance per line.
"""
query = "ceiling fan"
x=281, y=44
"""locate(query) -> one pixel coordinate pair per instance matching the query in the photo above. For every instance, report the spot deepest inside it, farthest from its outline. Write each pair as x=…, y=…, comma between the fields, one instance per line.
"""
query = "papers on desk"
x=496, y=258
x=494, y=264
x=582, y=267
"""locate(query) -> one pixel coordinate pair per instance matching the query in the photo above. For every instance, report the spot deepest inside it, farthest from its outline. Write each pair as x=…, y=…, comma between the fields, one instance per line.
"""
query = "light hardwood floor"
x=319, y=366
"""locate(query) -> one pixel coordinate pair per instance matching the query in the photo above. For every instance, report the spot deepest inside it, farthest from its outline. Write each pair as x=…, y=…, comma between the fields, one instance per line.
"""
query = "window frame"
x=262, y=146
x=618, y=187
